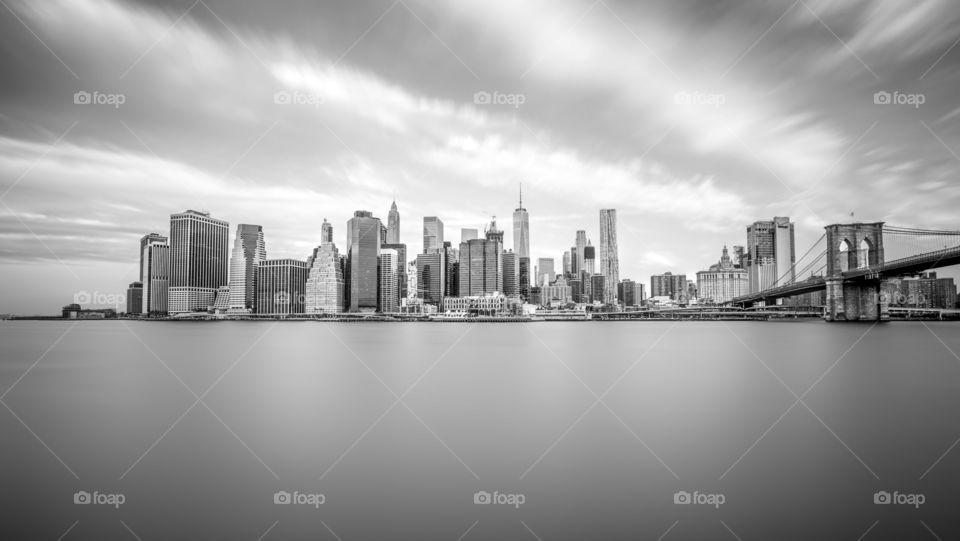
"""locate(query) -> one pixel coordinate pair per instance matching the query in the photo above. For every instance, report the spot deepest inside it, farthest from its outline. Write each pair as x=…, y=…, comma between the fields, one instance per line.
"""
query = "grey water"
x=550, y=431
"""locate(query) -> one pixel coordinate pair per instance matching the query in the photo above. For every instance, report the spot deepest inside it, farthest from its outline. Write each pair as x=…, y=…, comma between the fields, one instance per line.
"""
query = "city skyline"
x=292, y=122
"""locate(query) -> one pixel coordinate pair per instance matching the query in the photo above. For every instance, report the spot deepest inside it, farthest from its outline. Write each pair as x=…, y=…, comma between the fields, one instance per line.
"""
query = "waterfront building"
x=248, y=251
x=481, y=264
x=598, y=288
x=146, y=240
x=432, y=234
x=629, y=293
x=722, y=281
x=221, y=303
x=521, y=229
x=363, y=253
x=401, y=266
x=486, y=305
x=431, y=277
x=324, y=287
x=281, y=287
x=389, y=284
x=156, y=276
x=669, y=285
x=558, y=293
x=545, y=273
x=771, y=253
x=198, y=260
x=924, y=290
x=135, y=298
x=523, y=271
x=511, y=274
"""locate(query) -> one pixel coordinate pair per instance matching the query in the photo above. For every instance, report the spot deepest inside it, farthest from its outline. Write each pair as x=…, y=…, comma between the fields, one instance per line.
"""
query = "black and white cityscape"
x=399, y=269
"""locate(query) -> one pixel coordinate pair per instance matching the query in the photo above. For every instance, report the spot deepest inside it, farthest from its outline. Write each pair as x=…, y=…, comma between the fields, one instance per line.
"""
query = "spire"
x=520, y=205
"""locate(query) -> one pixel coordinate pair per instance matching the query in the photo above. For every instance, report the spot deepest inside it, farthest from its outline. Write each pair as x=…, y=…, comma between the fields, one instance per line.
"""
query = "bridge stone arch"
x=855, y=300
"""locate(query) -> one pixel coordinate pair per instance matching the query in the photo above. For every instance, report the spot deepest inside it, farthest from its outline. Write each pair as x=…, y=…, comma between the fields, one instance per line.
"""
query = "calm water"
x=511, y=408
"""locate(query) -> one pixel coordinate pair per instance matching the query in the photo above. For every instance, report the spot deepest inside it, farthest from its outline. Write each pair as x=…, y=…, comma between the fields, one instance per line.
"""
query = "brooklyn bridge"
x=852, y=263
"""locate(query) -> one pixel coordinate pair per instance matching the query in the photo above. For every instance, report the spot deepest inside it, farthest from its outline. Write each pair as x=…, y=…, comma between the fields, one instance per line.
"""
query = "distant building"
x=146, y=240
x=481, y=264
x=523, y=271
x=431, y=277
x=432, y=234
x=521, y=229
x=576, y=254
x=771, y=253
x=393, y=225
x=486, y=305
x=629, y=293
x=609, y=260
x=558, y=293
x=545, y=272
x=363, y=260
x=281, y=287
x=74, y=311
x=135, y=298
x=669, y=285
x=567, y=268
x=922, y=291
x=156, y=277
x=221, y=303
x=326, y=232
x=598, y=288
x=324, y=288
x=739, y=256
x=451, y=255
x=722, y=282
x=511, y=274
x=401, y=267
x=199, y=260
x=248, y=251
x=389, y=284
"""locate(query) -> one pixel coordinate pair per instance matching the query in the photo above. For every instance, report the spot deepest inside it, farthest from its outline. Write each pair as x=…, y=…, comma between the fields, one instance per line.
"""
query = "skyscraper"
x=481, y=264
x=431, y=277
x=363, y=249
x=281, y=285
x=144, y=241
x=589, y=259
x=135, y=298
x=156, y=276
x=389, y=292
x=401, y=266
x=524, y=276
x=393, y=225
x=567, y=268
x=576, y=262
x=432, y=234
x=511, y=274
x=324, y=286
x=668, y=285
x=326, y=232
x=199, y=260
x=722, y=281
x=771, y=253
x=248, y=251
x=521, y=229
x=609, y=262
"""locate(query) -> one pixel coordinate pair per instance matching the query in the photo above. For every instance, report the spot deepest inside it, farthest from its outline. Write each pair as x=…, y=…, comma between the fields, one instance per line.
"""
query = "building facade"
x=545, y=272
x=393, y=225
x=431, y=277
x=156, y=273
x=722, y=281
x=249, y=250
x=432, y=234
x=511, y=274
x=281, y=287
x=669, y=285
x=521, y=229
x=771, y=253
x=199, y=260
x=363, y=254
x=135, y=298
x=324, y=286
x=389, y=283
x=481, y=265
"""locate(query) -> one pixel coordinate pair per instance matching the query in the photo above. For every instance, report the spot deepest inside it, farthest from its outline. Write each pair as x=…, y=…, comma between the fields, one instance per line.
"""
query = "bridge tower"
x=850, y=247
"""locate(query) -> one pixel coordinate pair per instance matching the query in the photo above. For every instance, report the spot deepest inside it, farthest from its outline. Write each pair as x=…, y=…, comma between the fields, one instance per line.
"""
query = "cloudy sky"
x=691, y=118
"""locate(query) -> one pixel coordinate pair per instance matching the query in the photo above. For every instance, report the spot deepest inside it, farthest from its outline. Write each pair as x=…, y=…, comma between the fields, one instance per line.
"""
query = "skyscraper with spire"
x=393, y=225
x=521, y=229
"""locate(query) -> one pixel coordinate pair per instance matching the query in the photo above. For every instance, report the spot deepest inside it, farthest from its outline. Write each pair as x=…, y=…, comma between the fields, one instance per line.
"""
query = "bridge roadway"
x=898, y=267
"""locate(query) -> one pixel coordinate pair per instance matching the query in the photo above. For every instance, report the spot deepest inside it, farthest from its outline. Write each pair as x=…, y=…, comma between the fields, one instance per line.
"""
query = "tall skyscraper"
x=281, y=286
x=511, y=274
x=567, y=267
x=431, y=277
x=771, y=253
x=199, y=260
x=324, y=286
x=156, y=276
x=401, y=266
x=524, y=276
x=389, y=284
x=589, y=259
x=521, y=229
x=393, y=225
x=144, y=241
x=609, y=261
x=363, y=249
x=248, y=251
x=481, y=264
x=469, y=234
x=432, y=234
x=451, y=256
x=326, y=232
x=580, y=242
x=545, y=272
